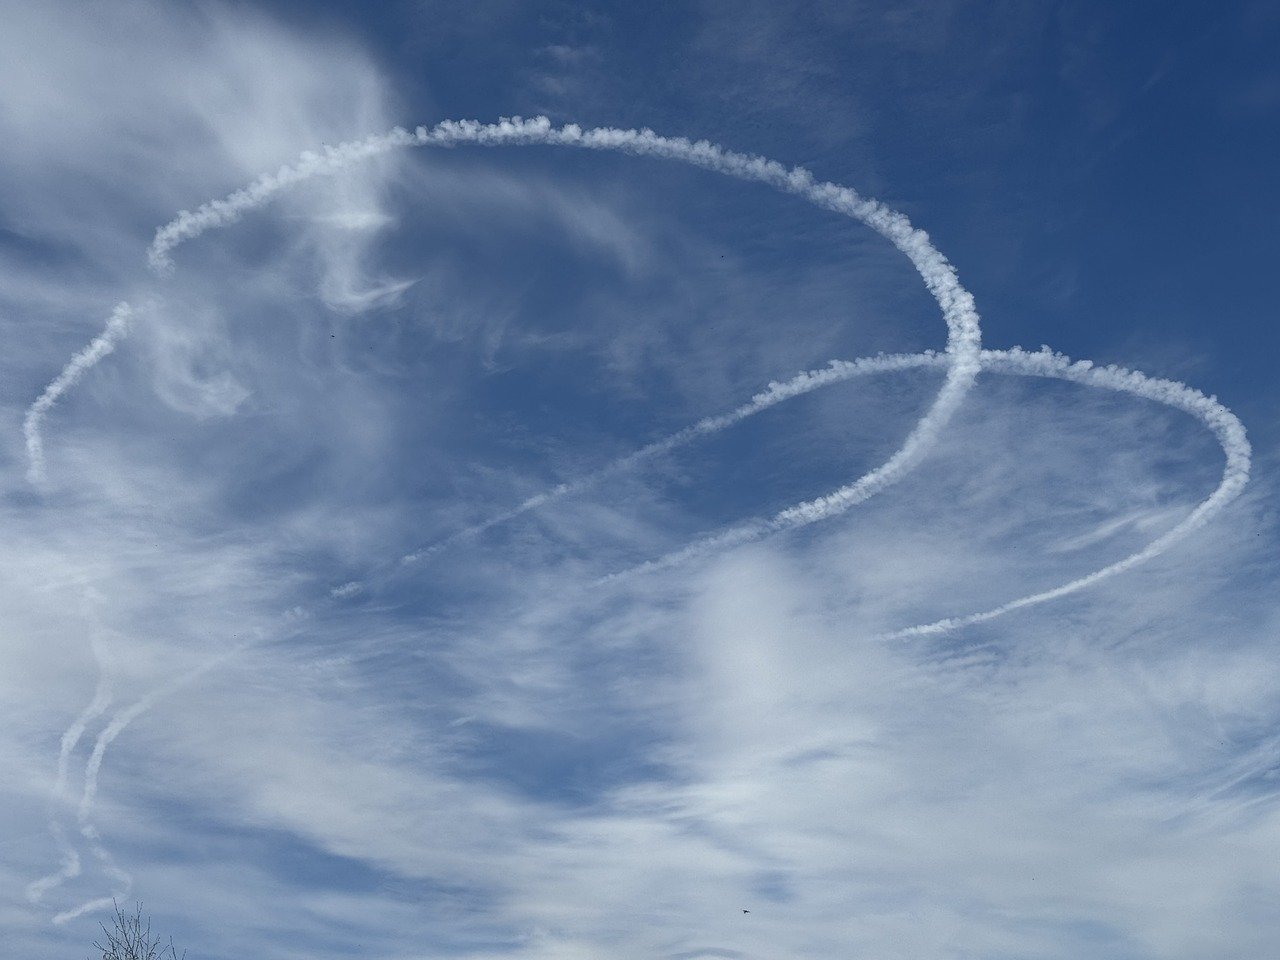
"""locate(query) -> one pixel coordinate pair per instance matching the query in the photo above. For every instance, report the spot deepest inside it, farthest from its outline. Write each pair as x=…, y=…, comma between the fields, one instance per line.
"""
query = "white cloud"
x=484, y=754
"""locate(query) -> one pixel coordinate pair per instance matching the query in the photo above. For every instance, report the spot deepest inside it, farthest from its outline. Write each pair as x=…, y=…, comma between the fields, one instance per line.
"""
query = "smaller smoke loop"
x=1221, y=422
x=961, y=362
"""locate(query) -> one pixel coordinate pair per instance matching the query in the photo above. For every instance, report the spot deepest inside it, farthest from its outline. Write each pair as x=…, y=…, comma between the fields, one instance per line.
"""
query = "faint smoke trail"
x=80, y=364
x=123, y=880
x=70, y=856
x=113, y=729
x=772, y=395
x=90, y=906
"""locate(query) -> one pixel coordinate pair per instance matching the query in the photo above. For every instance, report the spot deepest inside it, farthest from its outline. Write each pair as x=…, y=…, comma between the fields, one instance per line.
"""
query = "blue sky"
x=227, y=693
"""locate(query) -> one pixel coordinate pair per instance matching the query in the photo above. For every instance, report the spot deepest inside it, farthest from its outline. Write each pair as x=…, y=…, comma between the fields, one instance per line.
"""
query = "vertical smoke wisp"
x=100, y=346
x=70, y=738
x=116, y=726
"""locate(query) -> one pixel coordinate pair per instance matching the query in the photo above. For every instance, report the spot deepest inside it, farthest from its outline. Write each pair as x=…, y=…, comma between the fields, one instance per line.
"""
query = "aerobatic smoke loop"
x=962, y=360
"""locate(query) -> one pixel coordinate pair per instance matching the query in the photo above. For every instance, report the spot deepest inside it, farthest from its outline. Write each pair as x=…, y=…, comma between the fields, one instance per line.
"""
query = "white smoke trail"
x=97, y=705
x=963, y=330
x=80, y=364
x=71, y=868
x=90, y=906
x=772, y=395
x=1225, y=426
x=961, y=317
x=109, y=866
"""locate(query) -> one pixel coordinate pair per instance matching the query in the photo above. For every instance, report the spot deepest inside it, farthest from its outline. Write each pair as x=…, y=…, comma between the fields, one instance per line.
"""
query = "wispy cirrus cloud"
x=481, y=754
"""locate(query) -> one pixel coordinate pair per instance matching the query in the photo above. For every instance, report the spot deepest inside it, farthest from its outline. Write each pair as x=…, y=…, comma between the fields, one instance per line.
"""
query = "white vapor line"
x=88, y=907
x=958, y=310
x=80, y=364
x=963, y=356
x=772, y=395
x=111, y=869
x=962, y=360
x=820, y=508
x=131, y=713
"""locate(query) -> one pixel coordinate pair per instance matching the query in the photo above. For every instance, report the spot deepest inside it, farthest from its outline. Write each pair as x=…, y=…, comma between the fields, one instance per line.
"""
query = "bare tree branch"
x=130, y=938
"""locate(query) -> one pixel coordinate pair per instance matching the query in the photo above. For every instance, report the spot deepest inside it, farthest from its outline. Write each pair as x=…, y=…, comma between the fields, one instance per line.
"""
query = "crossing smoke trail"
x=963, y=330
x=959, y=313
x=101, y=345
x=962, y=360
x=1224, y=425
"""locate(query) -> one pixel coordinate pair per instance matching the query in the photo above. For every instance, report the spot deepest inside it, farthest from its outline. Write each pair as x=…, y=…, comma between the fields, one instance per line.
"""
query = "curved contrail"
x=771, y=396
x=1221, y=422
